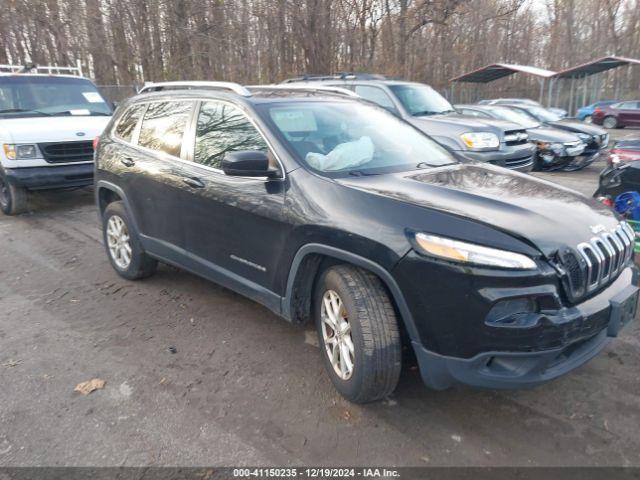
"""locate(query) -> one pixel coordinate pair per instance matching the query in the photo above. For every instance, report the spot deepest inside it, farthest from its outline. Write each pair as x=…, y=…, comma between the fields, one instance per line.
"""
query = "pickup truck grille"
x=599, y=261
x=67, y=152
x=516, y=137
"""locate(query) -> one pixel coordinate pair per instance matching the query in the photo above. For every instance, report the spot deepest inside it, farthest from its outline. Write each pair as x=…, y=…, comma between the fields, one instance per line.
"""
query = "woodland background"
x=127, y=42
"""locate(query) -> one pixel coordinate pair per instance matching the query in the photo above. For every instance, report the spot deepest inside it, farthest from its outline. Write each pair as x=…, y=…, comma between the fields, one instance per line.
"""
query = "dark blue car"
x=584, y=113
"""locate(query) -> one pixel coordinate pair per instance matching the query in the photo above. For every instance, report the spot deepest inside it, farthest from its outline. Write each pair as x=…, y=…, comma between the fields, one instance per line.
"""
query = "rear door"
x=627, y=112
x=153, y=175
x=235, y=223
x=634, y=114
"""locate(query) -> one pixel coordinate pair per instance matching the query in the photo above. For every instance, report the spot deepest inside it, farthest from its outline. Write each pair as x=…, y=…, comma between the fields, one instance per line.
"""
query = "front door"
x=236, y=223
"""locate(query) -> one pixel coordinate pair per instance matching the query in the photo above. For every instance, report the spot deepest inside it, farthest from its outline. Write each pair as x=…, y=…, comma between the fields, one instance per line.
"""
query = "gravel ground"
x=244, y=387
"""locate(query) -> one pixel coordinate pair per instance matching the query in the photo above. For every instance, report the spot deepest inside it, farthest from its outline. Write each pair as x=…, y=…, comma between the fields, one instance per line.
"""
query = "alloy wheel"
x=610, y=122
x=336, y=334
x=588, y=119
x=118, y=242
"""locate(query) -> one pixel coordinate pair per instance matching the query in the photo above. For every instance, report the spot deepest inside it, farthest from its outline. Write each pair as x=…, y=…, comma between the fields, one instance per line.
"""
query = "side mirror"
x=247, y=163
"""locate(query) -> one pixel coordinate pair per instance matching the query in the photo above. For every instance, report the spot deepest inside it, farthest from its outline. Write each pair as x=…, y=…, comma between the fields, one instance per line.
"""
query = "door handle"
x=193, y=182
x=127, y=161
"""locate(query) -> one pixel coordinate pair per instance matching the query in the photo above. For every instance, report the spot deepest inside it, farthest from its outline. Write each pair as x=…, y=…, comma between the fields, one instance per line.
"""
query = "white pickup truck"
x=48, y=121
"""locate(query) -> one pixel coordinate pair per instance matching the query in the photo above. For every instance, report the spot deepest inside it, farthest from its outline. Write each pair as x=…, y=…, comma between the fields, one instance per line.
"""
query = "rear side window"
x=163, y=126
x=223, y=128
x=375, y=95
x=127, y=124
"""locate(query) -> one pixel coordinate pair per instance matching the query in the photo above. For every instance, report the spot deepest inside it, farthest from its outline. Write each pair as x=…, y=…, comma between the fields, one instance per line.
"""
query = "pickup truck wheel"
x=13, y=200
x=358, y=333
x=610, y=122
x=123, y=246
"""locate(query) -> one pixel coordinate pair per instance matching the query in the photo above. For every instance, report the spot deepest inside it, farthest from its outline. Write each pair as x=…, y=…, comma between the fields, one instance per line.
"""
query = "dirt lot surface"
x=244, y=387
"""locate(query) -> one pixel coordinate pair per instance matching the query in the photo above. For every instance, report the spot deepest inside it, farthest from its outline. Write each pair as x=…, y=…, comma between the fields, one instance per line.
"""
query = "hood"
x=52, y=129
x=454, y=124
x=551, y=135
x=578, y=127
x=541, y=213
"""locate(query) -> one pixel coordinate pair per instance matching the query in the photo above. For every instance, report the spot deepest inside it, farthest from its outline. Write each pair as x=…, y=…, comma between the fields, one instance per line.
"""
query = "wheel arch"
x=313, y=258
x=106, y=193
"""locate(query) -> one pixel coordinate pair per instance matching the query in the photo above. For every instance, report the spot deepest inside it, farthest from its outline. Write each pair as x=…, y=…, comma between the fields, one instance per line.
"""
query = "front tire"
x=588, y=119
x=610, y=122
x=123, y=246
x=13, y=200
x=358, y=333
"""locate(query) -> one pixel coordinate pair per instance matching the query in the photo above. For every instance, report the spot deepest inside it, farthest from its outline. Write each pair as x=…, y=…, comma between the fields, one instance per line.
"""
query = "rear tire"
x=588, y=119
x=366, y=331
x=610, y=122
x=123, y=246
x=13, y=200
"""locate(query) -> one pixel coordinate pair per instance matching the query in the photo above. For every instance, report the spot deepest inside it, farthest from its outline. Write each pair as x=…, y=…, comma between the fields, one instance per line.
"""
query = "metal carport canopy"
x=495, y=71
x=596, y=66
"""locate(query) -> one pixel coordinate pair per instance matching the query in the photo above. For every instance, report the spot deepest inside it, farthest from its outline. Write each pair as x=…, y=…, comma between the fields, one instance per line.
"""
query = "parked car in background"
x=556, y=149
x=584, y=114
x=522, y=101
x=618, y=115
x=328, y=209
x=594, y=137
x=623, y=170
x=47, y=125
x=493, y=141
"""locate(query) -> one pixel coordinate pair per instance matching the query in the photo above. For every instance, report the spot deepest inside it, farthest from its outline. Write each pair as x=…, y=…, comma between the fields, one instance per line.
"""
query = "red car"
x=618, y=115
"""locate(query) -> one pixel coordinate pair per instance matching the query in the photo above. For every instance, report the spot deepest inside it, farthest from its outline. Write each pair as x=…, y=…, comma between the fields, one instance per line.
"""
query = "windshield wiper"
x=24, y=110
x=360, y=173
x=424, y=113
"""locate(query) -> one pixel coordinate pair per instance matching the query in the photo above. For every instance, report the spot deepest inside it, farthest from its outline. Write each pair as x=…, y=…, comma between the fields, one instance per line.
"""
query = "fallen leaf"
x=85, y=388
x=11, y=363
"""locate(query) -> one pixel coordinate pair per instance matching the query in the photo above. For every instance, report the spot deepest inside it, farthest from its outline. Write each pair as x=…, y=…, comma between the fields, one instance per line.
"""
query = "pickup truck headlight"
x=586, y=138
x=480, y=140
x=463, y=252
x=20, y=152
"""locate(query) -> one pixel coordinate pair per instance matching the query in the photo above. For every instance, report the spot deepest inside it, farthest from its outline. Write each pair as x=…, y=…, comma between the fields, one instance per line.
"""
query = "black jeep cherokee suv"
x=330, y=209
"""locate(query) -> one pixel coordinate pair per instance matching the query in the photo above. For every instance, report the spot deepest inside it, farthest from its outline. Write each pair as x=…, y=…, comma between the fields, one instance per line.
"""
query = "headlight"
x=457, y=251
x=557, y=148
x=584, y=137
x=480, y=140
x=20, y=152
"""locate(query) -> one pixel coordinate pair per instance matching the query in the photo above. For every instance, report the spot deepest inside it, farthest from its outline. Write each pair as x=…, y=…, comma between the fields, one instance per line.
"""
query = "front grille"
x=67, y=152
x=516, y=137
x=598, y=261
x=519, y=162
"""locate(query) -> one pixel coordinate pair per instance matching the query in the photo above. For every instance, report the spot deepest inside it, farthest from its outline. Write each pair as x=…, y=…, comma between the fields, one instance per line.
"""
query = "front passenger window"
x=224, y=128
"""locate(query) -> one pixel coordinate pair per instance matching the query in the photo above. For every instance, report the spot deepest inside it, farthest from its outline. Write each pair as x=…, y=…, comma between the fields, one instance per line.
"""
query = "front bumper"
x=59, y=176
x=517, y=157
x=456, y=341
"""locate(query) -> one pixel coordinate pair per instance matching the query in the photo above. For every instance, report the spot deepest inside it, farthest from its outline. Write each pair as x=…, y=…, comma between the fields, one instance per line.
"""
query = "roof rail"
x=234, y=87
x=42, y=69
x=336, y=76
x=305, y=88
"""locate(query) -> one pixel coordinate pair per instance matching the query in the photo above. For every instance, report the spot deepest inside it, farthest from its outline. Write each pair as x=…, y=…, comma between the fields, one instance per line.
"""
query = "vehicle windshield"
x=32, y=95
x=350, y=138
x=515, y=116
x=543, y=115
x=420, y=100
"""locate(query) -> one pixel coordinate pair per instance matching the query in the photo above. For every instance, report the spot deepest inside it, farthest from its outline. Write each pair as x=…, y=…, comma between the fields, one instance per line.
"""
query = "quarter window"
x=128, y=122
x=163, y=126
x=223, y=128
